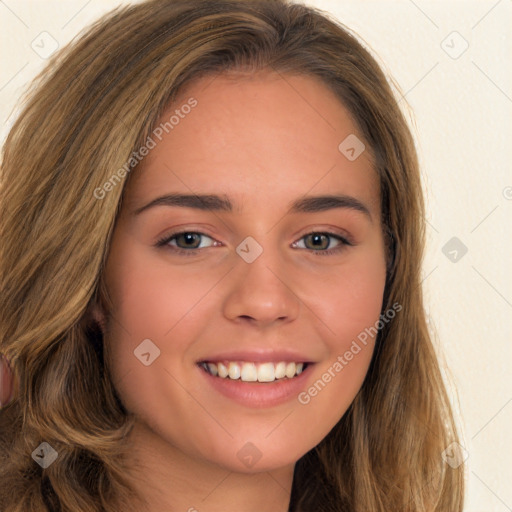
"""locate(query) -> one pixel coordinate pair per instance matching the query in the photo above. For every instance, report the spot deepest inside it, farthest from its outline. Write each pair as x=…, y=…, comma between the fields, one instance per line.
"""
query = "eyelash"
x=162, y=242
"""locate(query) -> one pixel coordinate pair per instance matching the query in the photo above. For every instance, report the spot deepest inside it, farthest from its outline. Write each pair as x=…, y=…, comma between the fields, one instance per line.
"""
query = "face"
x=254, y=278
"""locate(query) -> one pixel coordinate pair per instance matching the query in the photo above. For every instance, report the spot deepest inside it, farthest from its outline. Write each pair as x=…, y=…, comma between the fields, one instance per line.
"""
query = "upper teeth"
x=251, y=372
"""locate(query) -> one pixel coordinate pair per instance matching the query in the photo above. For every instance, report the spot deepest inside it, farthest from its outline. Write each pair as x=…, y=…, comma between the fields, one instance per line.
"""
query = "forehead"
x=265, y=136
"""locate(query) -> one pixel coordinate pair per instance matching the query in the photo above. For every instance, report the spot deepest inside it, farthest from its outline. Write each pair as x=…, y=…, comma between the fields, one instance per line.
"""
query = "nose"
x=261, y=293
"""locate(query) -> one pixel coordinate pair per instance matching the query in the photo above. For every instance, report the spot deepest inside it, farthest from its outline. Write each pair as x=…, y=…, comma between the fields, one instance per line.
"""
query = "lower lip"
x=259, y=394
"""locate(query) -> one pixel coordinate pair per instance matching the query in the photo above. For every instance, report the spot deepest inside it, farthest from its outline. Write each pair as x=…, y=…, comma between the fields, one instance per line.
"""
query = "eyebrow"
x=213, y=202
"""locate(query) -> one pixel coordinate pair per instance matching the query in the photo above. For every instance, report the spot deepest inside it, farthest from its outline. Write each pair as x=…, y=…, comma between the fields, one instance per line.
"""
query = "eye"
x=184, y=241
x=320, y=243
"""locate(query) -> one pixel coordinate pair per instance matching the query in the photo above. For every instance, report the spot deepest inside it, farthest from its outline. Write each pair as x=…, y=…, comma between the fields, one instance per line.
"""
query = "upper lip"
x=258, y=355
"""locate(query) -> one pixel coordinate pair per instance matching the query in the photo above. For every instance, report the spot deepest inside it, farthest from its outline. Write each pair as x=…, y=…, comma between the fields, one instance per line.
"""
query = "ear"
x=97, y=315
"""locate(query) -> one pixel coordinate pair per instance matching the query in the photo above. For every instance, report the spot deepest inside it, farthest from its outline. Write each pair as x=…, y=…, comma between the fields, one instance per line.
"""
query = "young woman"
x=212, y=233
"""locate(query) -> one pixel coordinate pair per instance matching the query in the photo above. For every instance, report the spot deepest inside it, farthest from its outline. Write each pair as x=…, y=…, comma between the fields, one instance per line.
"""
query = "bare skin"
x=263, y=141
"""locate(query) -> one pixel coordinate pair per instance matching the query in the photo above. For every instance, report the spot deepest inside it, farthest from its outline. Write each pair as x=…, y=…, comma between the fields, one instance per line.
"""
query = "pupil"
x=189, y=237
x=317, y=239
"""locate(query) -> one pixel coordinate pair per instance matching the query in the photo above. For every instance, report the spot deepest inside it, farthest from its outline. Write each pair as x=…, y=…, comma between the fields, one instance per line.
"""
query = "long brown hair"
x=92, y=107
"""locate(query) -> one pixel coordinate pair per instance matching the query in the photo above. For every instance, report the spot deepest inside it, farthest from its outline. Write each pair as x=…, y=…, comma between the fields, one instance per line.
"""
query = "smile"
x=253, y=372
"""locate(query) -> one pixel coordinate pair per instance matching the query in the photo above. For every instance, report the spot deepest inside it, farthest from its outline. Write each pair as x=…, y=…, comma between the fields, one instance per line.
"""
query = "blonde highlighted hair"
x=97, y=102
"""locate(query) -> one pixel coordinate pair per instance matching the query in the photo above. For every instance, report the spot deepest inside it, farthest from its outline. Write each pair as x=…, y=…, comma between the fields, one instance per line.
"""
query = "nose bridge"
x=261, y=289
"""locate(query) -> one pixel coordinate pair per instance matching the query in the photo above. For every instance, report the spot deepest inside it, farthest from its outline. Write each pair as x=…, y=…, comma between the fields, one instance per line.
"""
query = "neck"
x=171, y=481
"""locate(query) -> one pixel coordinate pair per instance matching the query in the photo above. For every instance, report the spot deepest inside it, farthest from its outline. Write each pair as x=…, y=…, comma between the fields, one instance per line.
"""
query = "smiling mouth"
x=253, y=372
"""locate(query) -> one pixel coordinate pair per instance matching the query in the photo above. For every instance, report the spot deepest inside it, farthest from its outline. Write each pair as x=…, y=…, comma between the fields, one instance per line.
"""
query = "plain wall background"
x=460, y=110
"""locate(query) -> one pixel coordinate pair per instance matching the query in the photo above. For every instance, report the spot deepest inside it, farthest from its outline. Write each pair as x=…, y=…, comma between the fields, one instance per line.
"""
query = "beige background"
x=461, y=104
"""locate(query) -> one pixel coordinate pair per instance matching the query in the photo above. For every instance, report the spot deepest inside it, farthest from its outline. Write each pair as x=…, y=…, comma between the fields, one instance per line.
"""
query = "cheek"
x=354, y=301
x=352, y=294
x=168, y=306
x=151, y=296
x=351, y=308
x=152, y=301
